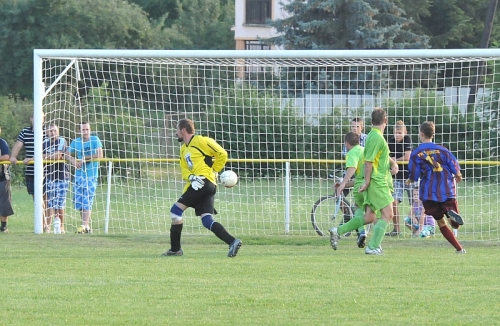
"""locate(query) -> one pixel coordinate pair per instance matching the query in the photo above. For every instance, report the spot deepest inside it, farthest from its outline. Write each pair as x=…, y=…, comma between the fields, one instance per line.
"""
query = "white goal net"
x=281, y=115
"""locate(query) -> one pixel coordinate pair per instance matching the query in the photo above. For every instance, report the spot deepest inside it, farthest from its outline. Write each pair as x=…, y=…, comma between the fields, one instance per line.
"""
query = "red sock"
x=448, y=234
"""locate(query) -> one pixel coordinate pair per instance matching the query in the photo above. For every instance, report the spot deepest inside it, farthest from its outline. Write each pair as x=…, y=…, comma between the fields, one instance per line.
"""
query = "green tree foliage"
x=119, y=130
x=416, y=10
x=345, y=24
x=79, y=24
x=204, y=24
x=158, y=9
x=342, y=24
x=253, y=124
x=455, y=24
x=302, y=80
x=14, y=116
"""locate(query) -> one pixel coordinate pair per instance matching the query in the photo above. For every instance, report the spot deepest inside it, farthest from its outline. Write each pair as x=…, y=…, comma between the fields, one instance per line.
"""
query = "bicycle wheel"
x=324, y=215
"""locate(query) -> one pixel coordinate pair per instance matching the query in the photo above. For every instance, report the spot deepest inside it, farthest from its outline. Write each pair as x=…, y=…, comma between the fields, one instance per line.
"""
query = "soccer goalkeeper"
x=437, y=168
x=200, y=158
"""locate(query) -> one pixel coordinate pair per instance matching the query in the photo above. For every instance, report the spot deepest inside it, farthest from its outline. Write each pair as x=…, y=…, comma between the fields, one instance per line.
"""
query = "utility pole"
x=485, y=40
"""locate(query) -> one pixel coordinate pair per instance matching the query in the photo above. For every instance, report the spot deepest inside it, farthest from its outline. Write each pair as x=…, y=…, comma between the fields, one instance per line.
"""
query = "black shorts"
x=5, y=199
x=30, y=184
x=201, y=200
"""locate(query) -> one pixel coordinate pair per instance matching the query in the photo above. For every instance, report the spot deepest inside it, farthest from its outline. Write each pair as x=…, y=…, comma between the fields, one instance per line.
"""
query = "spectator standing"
x=26, y=139
x=56, y=175
x=357, y=127
x=87, y=150
x=5, y=187
x=400, y=147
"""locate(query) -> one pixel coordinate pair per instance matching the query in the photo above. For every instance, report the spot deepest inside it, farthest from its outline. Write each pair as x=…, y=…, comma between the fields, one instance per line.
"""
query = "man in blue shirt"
x=86, y=149
x=437, y=168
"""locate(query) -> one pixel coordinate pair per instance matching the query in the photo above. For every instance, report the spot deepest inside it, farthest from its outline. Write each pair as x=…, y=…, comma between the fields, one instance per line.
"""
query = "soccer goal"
x=281, y=115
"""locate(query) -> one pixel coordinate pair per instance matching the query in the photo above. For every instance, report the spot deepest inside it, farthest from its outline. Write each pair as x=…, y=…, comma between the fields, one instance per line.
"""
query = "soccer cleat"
x=455, y=219
x=460, y=251
x=361, y=239
x=234, y=247
x=83, y=230
x=169, y=252
x=334, y=238
x=376, y=251
x=393, y=233
x=4, y=229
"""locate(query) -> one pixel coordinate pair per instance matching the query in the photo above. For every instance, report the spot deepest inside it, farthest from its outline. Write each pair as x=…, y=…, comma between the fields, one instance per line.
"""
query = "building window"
x=256, y=45
x=257, y=11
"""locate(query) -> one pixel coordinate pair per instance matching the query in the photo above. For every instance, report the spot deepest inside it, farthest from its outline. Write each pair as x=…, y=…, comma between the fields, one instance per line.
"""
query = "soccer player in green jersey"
x=377, y=180
x=200, y=159
x=354, y=167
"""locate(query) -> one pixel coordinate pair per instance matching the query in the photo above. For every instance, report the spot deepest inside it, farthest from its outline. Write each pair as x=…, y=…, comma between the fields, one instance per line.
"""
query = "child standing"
x=418, y=222
x=400, y=147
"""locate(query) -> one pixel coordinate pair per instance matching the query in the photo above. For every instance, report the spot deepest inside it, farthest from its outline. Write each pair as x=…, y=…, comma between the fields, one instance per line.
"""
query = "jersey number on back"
x=436, y=165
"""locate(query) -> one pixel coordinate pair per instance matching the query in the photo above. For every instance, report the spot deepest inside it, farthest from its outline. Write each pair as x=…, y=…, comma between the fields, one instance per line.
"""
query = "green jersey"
x=379, y=192
x=377, y=152
x=354, y=159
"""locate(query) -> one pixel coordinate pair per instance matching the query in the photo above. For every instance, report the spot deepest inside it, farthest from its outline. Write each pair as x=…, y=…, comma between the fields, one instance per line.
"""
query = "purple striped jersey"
x=436, y=168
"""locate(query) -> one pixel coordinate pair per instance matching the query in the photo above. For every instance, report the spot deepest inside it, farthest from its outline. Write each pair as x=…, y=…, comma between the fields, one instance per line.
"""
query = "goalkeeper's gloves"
x=196, y=181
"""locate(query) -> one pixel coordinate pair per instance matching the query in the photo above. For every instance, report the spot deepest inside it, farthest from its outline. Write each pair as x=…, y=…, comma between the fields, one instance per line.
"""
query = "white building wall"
x=247, y=32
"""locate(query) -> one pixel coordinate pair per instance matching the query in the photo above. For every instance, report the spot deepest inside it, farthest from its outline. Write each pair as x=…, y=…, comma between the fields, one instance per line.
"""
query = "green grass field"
x=275, y=280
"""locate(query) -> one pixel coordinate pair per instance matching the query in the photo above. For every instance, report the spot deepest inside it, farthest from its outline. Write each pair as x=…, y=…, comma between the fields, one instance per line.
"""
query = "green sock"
x=378, y=234
x=356, y=222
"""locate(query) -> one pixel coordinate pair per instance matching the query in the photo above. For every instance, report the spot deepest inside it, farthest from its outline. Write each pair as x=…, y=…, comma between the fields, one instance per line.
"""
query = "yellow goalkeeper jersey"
x=202, y=156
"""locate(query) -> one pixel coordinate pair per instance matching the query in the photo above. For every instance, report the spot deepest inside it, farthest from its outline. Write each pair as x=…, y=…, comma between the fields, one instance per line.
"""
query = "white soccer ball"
x=228, y=178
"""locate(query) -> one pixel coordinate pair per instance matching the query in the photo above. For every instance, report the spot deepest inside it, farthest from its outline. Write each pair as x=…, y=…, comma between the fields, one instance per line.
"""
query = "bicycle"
x=331, y=210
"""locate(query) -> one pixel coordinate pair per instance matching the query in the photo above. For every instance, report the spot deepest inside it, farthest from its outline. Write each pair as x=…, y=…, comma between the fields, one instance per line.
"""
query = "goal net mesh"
x=282, y=121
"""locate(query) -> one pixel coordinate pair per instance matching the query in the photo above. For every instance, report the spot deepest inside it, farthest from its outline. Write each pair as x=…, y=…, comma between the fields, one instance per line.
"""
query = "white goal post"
x=281, y=115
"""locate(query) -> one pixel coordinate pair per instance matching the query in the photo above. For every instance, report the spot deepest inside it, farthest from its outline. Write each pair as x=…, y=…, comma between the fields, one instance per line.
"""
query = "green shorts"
x=390, y=182
x=378, y=195
x=359, y=198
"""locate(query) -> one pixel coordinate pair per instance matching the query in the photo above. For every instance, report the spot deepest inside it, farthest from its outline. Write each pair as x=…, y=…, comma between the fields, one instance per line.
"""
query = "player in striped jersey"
x=438, y=169
x=26, y=139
